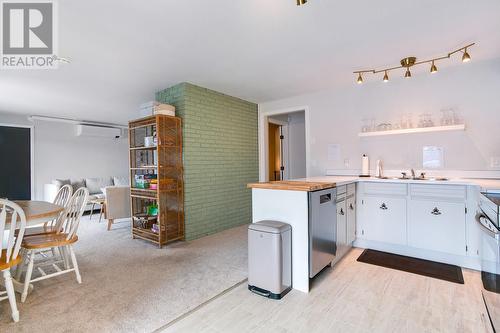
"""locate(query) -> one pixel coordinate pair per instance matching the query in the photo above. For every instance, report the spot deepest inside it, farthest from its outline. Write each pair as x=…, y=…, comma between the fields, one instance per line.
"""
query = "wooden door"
x=275, y=152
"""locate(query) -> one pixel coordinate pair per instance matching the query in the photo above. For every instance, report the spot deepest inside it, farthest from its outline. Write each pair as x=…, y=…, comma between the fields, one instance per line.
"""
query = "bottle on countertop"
x=365, y=166
x=380, y=169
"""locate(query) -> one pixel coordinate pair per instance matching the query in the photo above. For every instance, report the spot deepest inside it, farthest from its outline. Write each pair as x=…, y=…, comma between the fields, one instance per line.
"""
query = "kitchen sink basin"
x=417, y=178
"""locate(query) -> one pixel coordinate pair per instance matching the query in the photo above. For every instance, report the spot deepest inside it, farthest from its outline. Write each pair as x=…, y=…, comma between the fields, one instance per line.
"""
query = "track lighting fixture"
x=466, y=56
x=433, y=67
x=360, y=79
x=386, y=77
x=301, y=2
x=412, y=61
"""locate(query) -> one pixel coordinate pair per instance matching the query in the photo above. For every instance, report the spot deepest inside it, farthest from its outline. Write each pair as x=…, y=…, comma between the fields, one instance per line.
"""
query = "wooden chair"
x=64, y=237
x=62, y=199
x=9, y=250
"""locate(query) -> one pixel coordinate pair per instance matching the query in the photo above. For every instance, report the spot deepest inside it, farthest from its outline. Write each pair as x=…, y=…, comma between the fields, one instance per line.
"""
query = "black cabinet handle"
x=341, y=211
x=351, y=206
x=436, y=211
x=383, y=206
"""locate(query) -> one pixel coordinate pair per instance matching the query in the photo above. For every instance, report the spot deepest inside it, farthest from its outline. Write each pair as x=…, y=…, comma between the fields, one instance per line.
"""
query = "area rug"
x=131, y=285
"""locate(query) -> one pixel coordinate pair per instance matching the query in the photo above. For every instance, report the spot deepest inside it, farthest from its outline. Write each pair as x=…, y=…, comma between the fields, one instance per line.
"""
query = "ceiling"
x=123, y=51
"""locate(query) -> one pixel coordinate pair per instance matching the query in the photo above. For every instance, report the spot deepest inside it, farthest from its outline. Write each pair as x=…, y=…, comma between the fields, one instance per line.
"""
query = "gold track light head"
x=466, y=56
x=301, y=2
x=434, y=69
x=360, y=79
x=386, y=77
x=408, y=73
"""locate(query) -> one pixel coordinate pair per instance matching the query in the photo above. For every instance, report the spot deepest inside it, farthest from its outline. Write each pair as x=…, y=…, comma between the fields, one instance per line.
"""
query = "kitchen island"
x=427, y=219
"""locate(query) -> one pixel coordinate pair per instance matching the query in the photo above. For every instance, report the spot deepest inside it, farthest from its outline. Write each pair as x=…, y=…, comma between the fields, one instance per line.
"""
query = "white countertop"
x=486, y=185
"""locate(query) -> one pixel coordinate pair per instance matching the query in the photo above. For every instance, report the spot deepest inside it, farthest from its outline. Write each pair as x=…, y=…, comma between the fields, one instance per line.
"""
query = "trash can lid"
x=273, y=227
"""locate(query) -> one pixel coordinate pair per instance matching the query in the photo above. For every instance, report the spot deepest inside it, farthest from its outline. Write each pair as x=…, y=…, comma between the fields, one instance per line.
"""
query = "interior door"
x=276, y=167
x=15, y=165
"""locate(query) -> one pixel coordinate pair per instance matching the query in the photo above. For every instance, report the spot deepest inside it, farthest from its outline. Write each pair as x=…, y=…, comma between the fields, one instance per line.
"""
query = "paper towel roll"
x=365, y=166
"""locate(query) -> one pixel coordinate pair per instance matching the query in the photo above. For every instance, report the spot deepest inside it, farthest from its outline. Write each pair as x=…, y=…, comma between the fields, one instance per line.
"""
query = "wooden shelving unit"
x=165, y=161
x=415, y=130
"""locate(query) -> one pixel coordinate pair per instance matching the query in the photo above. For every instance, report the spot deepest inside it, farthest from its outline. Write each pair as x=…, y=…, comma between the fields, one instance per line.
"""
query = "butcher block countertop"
x=293, y=185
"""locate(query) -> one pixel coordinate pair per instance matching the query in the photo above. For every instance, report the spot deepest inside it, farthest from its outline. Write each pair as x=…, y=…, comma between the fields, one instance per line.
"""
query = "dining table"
x=36, y=212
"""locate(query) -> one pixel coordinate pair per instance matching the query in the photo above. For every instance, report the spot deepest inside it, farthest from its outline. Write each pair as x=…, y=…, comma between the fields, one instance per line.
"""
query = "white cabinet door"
x=383, y=219
x=351, y=219
x=438, y=226
x=341, y=228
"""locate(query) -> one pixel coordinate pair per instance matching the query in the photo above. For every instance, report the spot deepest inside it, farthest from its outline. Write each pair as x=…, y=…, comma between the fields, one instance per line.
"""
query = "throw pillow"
x=121, y=181
x=77, y=183
x=61, y=182
x=94, y=185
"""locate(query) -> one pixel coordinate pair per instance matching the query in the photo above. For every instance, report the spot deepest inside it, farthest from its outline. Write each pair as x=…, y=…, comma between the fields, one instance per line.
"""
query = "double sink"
x=413, y=177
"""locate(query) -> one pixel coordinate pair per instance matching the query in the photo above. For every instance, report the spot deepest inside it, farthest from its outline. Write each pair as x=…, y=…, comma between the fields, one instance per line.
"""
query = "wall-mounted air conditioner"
x=98, y=131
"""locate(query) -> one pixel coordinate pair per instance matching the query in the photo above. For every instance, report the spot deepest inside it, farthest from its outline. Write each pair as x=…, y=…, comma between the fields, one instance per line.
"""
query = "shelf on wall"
x=415, y=130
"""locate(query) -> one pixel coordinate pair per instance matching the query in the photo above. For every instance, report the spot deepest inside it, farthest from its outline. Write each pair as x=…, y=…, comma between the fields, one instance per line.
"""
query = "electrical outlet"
x=346, y=163
x=495, y=162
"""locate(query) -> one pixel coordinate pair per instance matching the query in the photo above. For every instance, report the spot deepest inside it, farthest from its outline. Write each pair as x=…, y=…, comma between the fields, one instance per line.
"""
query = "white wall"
x=58, y=153
x=335, y=116
x=297, y=145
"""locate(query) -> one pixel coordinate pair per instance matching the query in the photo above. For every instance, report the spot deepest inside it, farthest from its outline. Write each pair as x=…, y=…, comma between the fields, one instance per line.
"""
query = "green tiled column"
x=220, y=157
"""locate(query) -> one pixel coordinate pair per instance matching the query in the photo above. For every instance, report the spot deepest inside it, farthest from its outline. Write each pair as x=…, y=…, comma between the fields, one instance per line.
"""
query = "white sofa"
x=94, y=185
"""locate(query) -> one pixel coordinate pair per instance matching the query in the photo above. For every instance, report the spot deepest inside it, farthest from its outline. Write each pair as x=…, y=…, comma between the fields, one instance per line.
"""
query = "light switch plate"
x=495, y=162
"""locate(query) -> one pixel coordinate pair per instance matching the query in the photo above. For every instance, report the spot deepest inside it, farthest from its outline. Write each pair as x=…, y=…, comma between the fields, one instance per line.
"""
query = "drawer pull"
x=341, y=211
x=383, y=206
x=351, y=206
x=436, y=211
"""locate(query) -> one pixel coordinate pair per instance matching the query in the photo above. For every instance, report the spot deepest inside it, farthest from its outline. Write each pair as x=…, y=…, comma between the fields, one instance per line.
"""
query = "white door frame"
x=264, y=139
x=32, y=153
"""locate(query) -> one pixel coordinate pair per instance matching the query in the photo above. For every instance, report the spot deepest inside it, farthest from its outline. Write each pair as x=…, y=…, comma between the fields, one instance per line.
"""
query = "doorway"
x=286, y=146
x=276, y=166
x=15, y=169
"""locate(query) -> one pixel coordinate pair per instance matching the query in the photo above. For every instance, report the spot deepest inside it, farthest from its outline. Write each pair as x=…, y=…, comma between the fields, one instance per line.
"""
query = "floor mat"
x=423, y=267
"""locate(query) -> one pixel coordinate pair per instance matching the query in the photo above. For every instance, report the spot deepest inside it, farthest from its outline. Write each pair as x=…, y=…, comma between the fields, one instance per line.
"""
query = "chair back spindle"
x=63, y=195
x=62, y=199
x=73, y=213
x=10, y=211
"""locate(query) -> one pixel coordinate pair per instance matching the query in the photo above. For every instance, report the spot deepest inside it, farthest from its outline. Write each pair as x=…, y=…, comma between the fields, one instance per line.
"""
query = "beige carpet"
x=130, y=285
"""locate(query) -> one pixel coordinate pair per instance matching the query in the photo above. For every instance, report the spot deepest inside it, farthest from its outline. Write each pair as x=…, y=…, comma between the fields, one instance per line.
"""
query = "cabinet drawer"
x=351, y=189
x=439, y=192
x=342, y=189
x=385, y=188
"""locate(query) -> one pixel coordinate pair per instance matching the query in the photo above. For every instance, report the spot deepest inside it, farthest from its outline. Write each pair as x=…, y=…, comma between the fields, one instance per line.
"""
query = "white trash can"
x=270, y=258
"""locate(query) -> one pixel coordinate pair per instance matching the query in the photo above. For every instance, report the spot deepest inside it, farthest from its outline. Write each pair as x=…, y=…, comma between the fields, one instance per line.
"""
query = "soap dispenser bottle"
x=380, y=169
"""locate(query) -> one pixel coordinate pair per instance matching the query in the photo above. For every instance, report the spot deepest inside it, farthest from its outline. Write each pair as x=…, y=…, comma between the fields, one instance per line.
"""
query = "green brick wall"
x=220, y=157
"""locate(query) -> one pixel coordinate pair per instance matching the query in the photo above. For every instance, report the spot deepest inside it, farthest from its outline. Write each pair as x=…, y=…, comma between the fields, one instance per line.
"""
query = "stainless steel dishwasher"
x=322, y=229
